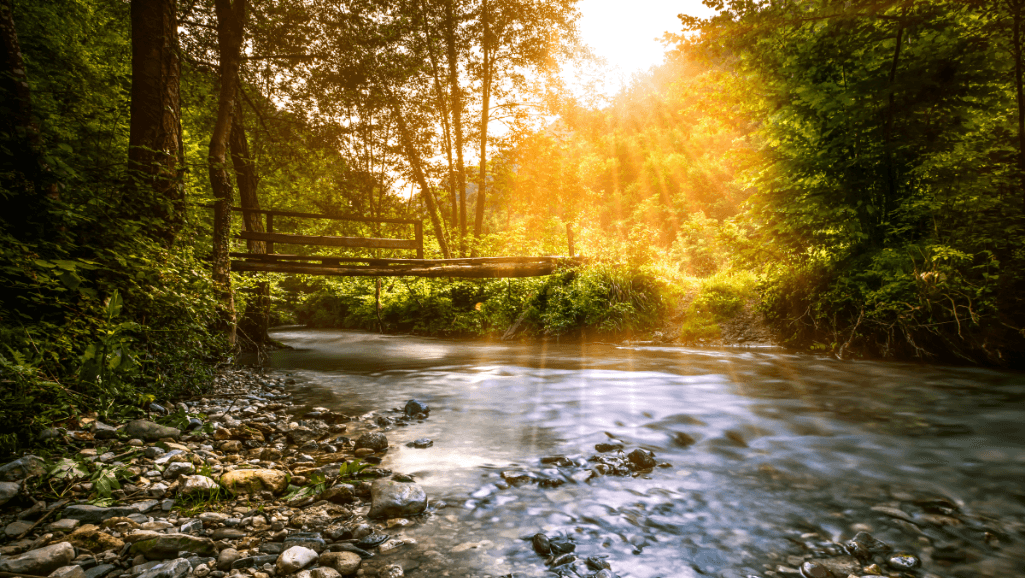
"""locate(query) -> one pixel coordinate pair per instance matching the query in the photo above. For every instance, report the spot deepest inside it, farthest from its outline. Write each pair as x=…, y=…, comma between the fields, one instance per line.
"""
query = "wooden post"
x=569, y=237
x=270, y=229
x=377, y=296
x=419, y=227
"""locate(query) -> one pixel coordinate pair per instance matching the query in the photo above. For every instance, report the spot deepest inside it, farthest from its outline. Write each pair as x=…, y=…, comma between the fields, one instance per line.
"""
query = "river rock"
x=863, y=545
x=811, y=569
x=68, y=572
x=176, y=469
x=318, y=517
x=301, y=435
x=376, y=441
x=22, y=468
x=63, y=525
x=391, y=499
x=40, y=561
x=149, y=431
x=325, y=572
x=294, y=559
x=642, y=459
x=90, y=537
x=841, y=565
x=420, y=444
x=608, y=447
x=177, y=568
x=8, y=490
x=311, y=540
x=903, y=561
x=415, y=406
x=255, y=481
x=17, y=528
x=346, y=563
x=167, y=546
x=198, y=484
x=226, y=558
x=339, y=494
x=94, y=514
x=102, y=431
x=541, y=544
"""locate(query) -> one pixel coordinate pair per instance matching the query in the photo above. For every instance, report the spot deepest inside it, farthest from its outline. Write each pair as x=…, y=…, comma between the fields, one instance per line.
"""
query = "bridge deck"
x=478, y=268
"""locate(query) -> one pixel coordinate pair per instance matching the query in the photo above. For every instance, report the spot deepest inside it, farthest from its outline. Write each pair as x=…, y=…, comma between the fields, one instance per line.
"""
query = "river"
x=773, y=457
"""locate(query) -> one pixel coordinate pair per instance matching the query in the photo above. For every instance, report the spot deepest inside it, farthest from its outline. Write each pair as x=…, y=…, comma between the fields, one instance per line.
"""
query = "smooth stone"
x=391, y=499
x=68, y=572
x=903, y=561
x=541, y=544
x=294, y=559
x=90, y=537
x=22, y=468
x=88, y=514
x=608, y=447
x=100, y=571
x=311, y=540
x=864, y=545
x=198, y=484
x=226, y=558
x=345, y=563
x=17, y=528
x=40, y=561
x=255, y=481
x=253, y=562
x=149, y=431
x=191, y=527
x=63, y=525
x=102, y=431
x=8, y=490
x=376, y=441
x=340, y=494
x=227, y=534
x=177, y=568
x=420, y=444
x=812, y=569
x=325, y=572
x=167, y=546
x=175, y=469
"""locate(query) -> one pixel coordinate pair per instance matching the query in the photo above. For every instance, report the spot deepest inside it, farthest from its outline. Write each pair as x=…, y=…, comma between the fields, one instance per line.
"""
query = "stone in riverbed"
x=167, y=546
x=226, y=558
x=903, y=561
x=642, y=459
x=40, y=561
x=89, y=537
x=177, y=568
x=864, y=545
x=346, y=563
x=376, y=441
x=8, y=490
x=415, y=406
x=149, y=431
x=68, y=572
x=420, y=444
x=811, y=569
x=95, y=514
x=325, y=572
x=255, y=481
x=22, y=468
x=198, y=484
x=102, y=431
x=176, y=469
x=340, y=494
x=390, y=499
x=608, y=447
x=294, y=559
x=17, y=528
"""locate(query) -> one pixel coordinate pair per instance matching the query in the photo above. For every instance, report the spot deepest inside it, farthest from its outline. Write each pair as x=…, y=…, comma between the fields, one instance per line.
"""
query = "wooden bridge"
x=475, y=267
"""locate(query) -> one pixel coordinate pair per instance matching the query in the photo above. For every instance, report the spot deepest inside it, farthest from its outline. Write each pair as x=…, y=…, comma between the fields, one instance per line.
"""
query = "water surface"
x=772, y=455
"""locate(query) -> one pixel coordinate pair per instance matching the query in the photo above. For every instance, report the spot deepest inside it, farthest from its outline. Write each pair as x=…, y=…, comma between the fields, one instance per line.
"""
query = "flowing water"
x=772, y=456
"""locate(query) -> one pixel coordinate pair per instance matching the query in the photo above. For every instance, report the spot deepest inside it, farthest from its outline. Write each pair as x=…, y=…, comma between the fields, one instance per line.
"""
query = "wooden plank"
x=328, y=217
x=489, y=271
x=425, y=262
x=368, y=242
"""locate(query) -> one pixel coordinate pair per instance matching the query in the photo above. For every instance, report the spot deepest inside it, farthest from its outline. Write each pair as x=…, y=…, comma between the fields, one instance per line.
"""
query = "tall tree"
x=231, y=18
x=155, y=136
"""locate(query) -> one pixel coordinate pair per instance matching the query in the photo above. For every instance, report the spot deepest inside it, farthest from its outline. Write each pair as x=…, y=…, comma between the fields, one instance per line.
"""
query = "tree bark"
x=230, y=23
x=457, y=117
x=478, y=222
x=418, y=176
x=256, y=320
x=1016, y=7
x=155, y=132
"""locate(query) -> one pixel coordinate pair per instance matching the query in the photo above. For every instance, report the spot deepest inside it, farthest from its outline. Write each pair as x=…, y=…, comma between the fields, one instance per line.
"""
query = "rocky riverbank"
x=245, y=487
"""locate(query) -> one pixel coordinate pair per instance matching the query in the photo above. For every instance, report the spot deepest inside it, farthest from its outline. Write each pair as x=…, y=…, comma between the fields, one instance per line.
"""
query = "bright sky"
x=626, y=32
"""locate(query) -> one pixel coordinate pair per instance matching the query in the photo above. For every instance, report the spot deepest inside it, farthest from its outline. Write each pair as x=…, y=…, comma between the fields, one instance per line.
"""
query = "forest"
x=851, y=174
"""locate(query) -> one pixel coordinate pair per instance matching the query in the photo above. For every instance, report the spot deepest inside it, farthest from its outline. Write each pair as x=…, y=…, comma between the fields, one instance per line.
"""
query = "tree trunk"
x=418, y=176
x=1016, y=7
x=257, y=316
x=457, y=117
x=478, y=222
x=230, y=23
x=891, y=170
x=155, y=132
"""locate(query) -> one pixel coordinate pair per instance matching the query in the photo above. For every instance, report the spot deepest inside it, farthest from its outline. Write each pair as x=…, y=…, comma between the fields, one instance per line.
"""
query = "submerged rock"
x=415, y=406
x=642, y=459
x=903, y=561
x=421, y=443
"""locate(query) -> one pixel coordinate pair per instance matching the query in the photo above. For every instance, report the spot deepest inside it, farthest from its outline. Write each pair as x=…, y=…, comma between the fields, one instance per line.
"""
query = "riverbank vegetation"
x=854, y=173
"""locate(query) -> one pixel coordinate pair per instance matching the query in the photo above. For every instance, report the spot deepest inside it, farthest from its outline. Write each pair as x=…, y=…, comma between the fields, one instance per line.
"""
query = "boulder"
x=198, y=484
x=40, y=561
x=149, y=431
x=167, y=546
x=90, y=537
x=391, y=499
x=68, y=572
x=255, y=481
x=294, y=559
x=22, y=468
x=8, y=490
x=346, y=563
x=177, y=568
x=376, y=441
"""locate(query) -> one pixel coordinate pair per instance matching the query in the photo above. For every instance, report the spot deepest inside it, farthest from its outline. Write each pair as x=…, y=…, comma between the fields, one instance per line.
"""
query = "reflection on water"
x=769, y=452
